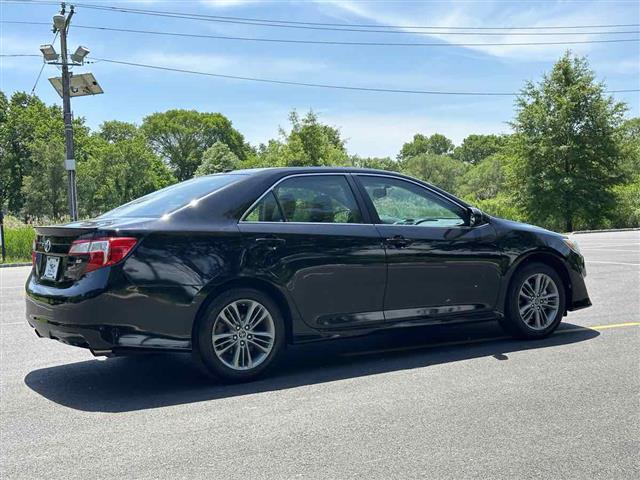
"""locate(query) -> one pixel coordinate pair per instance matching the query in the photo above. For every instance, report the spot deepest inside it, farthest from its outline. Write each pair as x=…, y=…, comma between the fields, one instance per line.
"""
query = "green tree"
x=308, y=143
x=180, y=138
x=442, y=171
x=216, y=159
x=485, y=180
x=26, y=122
x=476, y=148
x=436, y=144
x=384, y=163
x=567, y=147
x=627, y=211
x=119, y=168
x=45, y=191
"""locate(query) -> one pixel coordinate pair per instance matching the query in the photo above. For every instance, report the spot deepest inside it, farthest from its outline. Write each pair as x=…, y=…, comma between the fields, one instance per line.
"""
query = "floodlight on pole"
x=59, y=22
x=79, y=54
x=49, y=53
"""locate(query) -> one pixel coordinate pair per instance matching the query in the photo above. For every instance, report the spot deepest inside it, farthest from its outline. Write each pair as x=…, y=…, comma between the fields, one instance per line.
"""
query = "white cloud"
x=241, y=65
x=483, y=14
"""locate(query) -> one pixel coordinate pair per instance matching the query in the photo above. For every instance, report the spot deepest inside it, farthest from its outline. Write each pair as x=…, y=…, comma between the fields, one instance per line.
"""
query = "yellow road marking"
x=610, y=325
x=487, y=339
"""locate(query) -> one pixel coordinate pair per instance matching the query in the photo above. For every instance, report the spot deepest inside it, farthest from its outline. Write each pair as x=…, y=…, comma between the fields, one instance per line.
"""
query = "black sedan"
x=235, y=266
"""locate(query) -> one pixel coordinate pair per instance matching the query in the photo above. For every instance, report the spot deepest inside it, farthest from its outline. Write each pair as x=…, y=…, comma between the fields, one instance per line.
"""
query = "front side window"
x=317, y=199
x=399, y=202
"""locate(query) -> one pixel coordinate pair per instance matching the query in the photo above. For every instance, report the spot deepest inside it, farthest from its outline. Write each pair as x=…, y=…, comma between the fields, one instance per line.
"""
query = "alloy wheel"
x=243, y=334
x=538, y=301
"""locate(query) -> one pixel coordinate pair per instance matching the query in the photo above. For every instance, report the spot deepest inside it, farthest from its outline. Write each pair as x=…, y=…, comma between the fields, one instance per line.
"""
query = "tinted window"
x=318, y=199
x=266, y=210
x=171, y=198
x=399, y=202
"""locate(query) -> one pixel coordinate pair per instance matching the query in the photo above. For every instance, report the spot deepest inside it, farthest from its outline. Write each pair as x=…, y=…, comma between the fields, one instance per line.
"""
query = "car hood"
x=525, y=227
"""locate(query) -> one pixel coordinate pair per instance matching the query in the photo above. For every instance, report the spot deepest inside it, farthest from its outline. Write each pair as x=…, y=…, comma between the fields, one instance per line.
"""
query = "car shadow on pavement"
x=140, y=382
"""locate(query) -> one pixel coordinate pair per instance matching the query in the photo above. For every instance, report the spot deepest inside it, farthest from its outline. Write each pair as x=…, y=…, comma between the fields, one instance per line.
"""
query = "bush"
x=18, y=240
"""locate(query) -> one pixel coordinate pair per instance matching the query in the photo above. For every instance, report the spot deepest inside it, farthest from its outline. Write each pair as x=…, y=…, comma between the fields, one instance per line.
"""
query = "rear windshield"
x=171, y=198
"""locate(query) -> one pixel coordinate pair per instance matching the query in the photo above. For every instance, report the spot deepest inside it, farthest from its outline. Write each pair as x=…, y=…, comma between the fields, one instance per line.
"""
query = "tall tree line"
x=572, y=161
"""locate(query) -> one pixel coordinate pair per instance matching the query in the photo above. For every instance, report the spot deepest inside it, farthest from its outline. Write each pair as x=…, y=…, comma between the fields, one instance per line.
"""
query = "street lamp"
x=79, y=54
x=49, y=53
x=59, y=22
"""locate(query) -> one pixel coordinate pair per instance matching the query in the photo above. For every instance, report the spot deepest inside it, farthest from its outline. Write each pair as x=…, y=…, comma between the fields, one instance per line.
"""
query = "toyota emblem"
x=47, y=245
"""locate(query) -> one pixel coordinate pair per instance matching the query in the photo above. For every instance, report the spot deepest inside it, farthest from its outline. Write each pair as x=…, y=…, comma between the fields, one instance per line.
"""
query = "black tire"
x=513, y=323
x=203, y=348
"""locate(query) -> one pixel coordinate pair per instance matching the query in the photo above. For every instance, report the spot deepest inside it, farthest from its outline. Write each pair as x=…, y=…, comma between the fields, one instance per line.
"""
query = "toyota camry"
x=234, y=267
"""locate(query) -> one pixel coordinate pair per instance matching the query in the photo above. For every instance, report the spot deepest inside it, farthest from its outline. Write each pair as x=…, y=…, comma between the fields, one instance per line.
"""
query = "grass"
x=18, y=241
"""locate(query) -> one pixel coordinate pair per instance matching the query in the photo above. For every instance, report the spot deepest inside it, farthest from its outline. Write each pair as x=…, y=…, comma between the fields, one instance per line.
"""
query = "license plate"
x=51, y=268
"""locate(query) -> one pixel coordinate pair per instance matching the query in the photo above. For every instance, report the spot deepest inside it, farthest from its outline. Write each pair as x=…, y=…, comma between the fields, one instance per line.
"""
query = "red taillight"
x=102, y=252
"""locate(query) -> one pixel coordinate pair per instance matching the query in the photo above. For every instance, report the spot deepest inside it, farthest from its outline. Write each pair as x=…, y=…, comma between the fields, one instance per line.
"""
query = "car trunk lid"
x=53, y=264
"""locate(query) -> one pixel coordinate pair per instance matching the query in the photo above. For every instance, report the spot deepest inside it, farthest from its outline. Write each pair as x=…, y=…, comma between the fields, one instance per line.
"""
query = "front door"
x=438, y=266
x=310, y=235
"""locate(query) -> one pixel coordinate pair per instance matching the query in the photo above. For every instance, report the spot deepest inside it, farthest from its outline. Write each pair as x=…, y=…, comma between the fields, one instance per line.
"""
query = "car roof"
x=294, y=170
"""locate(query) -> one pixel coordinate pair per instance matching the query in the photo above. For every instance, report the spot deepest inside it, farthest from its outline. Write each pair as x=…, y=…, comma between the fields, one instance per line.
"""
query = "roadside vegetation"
x=571, y=162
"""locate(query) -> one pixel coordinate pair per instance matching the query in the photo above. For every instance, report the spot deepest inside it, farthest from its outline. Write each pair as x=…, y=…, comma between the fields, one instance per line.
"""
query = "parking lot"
x=455, y=402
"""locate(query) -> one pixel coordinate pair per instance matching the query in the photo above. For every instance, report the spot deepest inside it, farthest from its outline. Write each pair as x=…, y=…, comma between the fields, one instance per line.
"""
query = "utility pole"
x=70, y=162
x=67, y=87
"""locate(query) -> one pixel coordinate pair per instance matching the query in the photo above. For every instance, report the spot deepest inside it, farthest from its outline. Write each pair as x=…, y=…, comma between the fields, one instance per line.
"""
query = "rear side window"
x=318, y=199
x=266, y=210
x=171, y=198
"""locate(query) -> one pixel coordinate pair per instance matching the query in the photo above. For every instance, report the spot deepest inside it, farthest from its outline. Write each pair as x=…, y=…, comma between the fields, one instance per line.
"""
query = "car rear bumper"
x=97, y=338
x=88, y=315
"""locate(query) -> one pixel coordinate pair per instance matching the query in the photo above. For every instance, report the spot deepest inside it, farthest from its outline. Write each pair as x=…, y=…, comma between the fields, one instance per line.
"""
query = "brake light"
x=33, y=253
x=103, y=252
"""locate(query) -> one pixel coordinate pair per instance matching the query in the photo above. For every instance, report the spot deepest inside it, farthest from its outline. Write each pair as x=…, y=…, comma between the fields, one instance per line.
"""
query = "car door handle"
x=270, y=242
x=398, y=241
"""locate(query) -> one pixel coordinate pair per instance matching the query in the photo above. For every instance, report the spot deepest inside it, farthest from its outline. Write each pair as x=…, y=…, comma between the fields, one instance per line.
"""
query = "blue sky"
x=375, y=124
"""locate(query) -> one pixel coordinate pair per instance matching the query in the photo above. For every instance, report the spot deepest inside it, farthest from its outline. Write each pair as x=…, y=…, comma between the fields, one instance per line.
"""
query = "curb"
x=605, y=230
x=19, y=264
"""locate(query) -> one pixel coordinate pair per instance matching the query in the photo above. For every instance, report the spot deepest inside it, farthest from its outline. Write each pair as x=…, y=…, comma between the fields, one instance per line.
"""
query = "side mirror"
x=476, y=217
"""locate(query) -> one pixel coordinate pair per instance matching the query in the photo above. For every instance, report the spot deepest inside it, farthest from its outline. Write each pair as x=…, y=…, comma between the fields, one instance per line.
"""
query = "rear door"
x=310, y=234
x=437, y=264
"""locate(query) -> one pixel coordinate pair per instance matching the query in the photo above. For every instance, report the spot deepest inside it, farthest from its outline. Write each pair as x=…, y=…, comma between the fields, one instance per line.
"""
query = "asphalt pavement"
x=456, y=402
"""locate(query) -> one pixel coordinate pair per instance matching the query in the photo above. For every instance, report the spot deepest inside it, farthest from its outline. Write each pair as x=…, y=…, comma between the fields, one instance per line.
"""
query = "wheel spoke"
x=249, y=359
x=223, y=316
x=235, y=313
x=528, y=315
x=544, y=317
x=525, y=308
x=537, y=284
x=236, y=356
x=261, y=347
x=248, y=316
x=527, y=290
x=221, y=349
x=259, y=319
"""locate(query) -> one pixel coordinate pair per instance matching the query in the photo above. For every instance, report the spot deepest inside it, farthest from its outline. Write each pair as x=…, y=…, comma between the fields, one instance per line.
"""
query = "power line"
x=19, y=55
x=347, y=27
x=331, y=42
x=322, y=85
